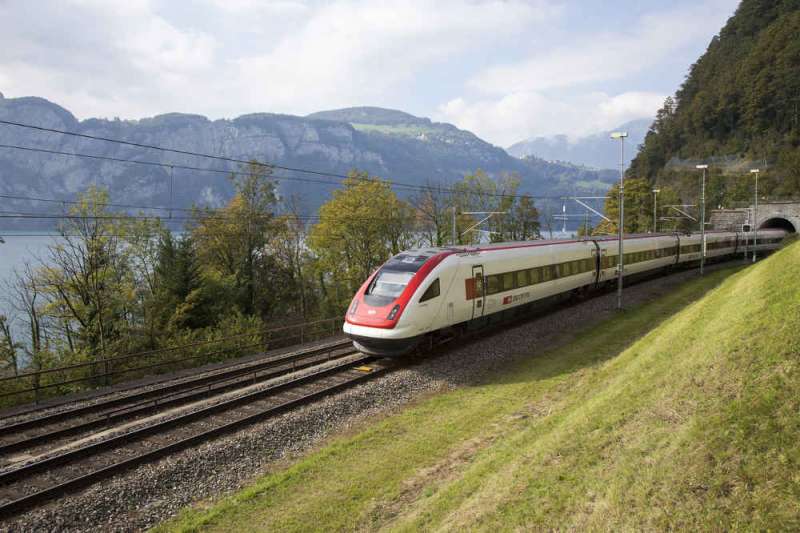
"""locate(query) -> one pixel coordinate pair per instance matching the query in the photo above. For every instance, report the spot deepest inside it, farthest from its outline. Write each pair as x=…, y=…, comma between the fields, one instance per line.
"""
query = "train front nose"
x=383, y=347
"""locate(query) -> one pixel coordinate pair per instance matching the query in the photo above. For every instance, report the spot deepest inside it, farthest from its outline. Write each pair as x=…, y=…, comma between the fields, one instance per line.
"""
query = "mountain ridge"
x=589, y=150
x=737, y=109
x=387, y=143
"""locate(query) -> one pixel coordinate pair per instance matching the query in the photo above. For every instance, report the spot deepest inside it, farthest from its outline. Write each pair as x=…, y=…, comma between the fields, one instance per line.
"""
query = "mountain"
x=737, y=109
x=384, y=142
x=593, y=151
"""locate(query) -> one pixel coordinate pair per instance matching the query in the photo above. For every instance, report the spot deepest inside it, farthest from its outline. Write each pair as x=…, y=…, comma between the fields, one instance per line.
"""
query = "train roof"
x=433, y=250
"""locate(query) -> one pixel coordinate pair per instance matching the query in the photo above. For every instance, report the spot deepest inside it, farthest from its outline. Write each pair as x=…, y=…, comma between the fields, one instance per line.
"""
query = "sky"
x=505, y=70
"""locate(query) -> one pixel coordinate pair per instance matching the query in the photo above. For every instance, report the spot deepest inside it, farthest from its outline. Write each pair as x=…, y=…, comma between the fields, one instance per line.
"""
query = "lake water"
x=19, y=248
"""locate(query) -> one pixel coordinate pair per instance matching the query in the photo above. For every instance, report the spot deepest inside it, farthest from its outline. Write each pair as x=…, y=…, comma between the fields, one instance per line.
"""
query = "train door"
x=478, y=303
x=597, y=256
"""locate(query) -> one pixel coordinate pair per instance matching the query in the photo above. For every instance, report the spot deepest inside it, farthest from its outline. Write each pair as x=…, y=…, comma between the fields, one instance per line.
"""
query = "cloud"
x=99, y=58
x=607, y=56
x=522, y=115
x=564, y=89
x=223, y=58
x=228, y=57
x=349, y=53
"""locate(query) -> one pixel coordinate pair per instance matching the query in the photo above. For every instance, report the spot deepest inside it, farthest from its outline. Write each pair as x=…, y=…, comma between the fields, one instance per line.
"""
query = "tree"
x=9, y=349
x=434, y=214
x=231, y=241
x=287, y=245
x=88, y=281
x=359, y=229
x=182, y=296
x=515, y=216
x=638, y=208
x=29, y=298
x=523, y=220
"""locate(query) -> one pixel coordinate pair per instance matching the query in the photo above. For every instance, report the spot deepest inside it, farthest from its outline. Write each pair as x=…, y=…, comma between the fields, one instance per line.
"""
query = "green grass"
x=406, y=130
x=681, y=414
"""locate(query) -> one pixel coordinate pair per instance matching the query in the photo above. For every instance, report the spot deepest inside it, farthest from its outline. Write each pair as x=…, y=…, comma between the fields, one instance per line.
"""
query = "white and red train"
x=424, y=293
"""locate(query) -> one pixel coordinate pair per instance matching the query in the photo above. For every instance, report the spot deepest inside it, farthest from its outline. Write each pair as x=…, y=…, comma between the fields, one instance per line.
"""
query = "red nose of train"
x=371, y=311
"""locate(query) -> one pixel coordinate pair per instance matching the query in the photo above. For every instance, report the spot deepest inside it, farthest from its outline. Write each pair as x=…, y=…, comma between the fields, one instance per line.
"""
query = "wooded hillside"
x=739, y=108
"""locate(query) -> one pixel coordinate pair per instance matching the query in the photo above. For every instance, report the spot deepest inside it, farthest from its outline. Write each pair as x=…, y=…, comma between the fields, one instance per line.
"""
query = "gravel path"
x=152, y=493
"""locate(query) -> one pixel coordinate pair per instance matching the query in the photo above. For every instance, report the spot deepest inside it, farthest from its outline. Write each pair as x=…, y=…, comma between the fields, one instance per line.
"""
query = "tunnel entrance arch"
x=778, y=223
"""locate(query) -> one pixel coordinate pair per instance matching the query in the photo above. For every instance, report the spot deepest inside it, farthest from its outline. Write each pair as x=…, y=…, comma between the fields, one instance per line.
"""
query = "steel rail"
x=125, y=438
x=25, y=502
x=203, y=378
x=223, y=382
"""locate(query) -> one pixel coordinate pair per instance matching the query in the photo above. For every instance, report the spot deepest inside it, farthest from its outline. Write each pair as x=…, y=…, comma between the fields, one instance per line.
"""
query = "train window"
x=433, y=291
x=492, y=284
x=508, y=281
x=547, y=272
x=522, y=278
x=534, y=275
x=389, y=284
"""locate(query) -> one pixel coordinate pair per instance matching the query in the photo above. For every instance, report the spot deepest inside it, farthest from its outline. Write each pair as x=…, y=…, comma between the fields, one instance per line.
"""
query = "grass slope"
x=683, y=413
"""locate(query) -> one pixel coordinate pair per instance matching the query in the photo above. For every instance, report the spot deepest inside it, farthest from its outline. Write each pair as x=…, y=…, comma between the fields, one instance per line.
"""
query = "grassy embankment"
x=683, y=413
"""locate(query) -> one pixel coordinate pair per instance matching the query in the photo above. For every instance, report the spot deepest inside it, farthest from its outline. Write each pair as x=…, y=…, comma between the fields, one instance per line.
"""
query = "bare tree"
x=434, y=213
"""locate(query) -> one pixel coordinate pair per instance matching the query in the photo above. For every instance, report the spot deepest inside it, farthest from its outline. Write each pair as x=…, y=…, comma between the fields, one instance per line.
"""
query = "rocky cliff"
x=387, y=143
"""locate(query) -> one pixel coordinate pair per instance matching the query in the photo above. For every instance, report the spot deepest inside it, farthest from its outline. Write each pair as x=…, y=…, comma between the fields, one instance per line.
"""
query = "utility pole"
x=655, y=211
x=702, y=219
x=755, y=216
x=621, y=229
x=455, y=229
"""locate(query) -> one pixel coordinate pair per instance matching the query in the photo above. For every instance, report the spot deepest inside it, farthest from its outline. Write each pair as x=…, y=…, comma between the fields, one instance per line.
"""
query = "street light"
x=620, y=230
x=755, y=215
x=655, y=211
x=702, y=218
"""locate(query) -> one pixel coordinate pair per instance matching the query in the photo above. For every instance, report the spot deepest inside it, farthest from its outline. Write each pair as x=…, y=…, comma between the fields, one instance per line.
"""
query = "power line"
x=200, y=216
x=411, y=186
x=163, y=165
x=104, y=204
x=171, y=150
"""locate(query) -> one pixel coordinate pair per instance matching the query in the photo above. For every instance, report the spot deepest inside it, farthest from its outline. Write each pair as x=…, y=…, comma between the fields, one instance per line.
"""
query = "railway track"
x=50, y=426
x=231, y=398
x=76, y=467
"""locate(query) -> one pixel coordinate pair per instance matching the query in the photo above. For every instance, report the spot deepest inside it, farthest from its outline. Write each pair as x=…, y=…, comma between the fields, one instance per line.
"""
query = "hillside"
x=591, y=150
x=738, y=108
x=387, y=143
x=680, y=414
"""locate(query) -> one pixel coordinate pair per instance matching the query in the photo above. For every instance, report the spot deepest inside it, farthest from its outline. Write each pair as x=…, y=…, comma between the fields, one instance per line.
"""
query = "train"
x=425, y=295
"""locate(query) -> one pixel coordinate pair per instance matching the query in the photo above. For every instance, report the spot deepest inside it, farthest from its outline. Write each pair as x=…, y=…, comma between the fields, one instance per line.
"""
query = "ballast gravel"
x=152, y=493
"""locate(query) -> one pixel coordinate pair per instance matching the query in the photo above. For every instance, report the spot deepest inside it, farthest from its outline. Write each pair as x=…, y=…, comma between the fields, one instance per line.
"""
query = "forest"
x=738, y=109
x=119, y=295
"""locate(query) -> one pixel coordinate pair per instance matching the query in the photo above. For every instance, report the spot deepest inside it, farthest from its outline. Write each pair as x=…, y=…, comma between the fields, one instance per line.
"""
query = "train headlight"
x=393, y=312
x=353, y=307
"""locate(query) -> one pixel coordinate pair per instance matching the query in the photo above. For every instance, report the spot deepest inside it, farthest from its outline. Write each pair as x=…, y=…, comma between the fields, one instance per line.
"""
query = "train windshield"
x=389, y=284
x=406, y=262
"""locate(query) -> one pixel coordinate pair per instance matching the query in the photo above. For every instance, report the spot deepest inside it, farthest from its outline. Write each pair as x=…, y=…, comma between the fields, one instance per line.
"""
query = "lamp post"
x=755, y=215
x=655, y=211
x=702, y=218
x=621, y=228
